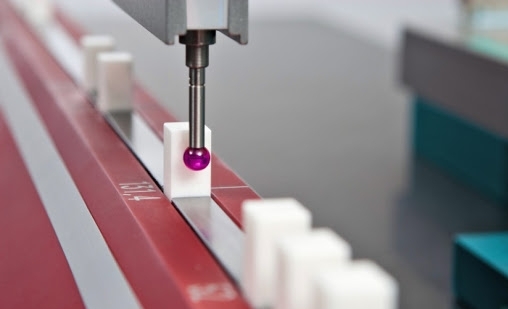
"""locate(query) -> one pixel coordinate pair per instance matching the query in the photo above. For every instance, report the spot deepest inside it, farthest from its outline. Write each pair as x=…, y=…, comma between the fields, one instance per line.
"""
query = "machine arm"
x=195, y=22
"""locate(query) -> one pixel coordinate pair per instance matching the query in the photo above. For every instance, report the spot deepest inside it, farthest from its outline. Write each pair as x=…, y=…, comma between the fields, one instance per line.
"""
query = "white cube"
x=179, y=180
x=361, y=285
x=91, y=46
x=265, y=222
x=39, y=12
x=299, y=258
x=115, y=81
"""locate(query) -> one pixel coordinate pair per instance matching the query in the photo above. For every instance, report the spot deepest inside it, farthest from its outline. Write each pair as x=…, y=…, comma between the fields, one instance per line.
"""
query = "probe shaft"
x=197, y=57
x=197, y=108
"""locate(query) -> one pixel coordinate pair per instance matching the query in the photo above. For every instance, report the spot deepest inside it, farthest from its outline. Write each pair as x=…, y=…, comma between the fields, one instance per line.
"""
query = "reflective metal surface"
x=141, y=140
x=197, y=45
x=216, y=230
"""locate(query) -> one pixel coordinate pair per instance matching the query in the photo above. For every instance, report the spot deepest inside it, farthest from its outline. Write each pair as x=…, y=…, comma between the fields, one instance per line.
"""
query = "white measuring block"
x=265, y=222
x=299, y=258
x=361, y=285
x=91, y=46
x=38, y=12
x=115, y=81
x=29, y=8
x=179, y=180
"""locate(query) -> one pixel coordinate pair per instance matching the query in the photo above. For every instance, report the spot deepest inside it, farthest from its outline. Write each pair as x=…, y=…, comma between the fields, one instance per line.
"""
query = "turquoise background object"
x=488, y=46
x=481, y=270
x=469, y=153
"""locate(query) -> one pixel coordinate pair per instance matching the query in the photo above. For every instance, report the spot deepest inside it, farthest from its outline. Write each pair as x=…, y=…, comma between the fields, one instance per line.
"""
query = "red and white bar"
x=33, y=269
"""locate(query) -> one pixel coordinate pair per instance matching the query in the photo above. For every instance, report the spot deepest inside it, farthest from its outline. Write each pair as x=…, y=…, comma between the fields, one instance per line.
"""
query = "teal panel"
x=489, y=47
x=480, y=274
x=469, y=153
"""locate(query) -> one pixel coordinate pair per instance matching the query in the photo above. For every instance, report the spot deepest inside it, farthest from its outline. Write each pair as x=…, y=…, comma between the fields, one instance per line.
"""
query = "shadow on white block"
x=91, y=46
x=361, y=285
x=115, y=81
x=299, y=258
x=179, y=180
x=265, y=222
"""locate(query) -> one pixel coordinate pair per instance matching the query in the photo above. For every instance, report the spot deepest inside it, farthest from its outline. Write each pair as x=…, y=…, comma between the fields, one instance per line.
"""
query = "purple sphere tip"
x=196, y=159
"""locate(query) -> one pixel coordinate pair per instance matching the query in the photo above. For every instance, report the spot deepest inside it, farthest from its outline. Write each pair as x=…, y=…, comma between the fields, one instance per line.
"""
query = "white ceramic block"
x=91, y=46
x=115, y=81
x=361, y=285
x=39, y=12
x=264, y=223
x=299, y=258
x=180, y=181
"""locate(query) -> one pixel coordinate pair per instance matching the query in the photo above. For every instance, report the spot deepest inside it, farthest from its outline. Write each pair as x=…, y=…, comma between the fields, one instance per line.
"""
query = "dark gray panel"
x=470, y=84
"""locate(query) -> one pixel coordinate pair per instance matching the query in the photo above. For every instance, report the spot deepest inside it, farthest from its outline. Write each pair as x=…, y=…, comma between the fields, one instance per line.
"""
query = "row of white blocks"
x=288, y=265
x=36, y=12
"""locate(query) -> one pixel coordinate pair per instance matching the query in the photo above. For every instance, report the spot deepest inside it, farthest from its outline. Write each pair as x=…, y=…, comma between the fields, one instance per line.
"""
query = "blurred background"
x=314, y=108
